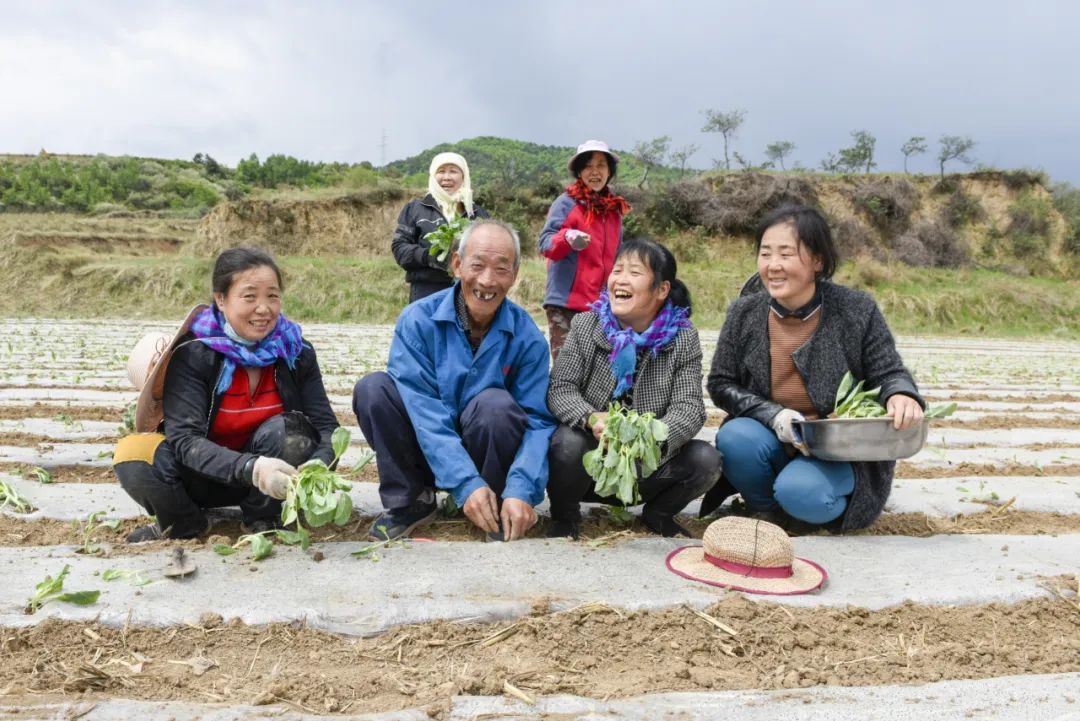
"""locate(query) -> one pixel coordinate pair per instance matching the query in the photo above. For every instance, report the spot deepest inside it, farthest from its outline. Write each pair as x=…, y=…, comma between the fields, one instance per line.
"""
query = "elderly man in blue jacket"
x=461, y=406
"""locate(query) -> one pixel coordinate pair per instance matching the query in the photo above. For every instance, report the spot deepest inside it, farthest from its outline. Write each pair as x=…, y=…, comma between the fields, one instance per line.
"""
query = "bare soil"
x=986, y=423
x=1015, y=398
x=32, y=440
x=65, y=474
x=908, y=470
x=78, y=413
x=596, y=530
x=593, y=650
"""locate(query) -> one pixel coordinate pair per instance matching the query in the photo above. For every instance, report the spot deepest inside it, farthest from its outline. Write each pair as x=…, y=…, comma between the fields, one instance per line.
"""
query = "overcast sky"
x=325, y=80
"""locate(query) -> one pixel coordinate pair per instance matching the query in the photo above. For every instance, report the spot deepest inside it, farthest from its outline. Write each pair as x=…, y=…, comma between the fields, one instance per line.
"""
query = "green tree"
x=861, y=154
x=954, y=147
x=727, y=124
x=916, y=145
x=651, y=153
x=776, y=152
x=680, y=156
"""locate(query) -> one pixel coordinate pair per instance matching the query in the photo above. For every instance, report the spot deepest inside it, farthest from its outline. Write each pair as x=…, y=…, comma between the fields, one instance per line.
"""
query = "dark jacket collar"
x=801, y=313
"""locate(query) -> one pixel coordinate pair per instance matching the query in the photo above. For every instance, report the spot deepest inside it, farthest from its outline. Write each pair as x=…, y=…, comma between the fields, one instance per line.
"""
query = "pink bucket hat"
x=746, y=554
x=591, y=146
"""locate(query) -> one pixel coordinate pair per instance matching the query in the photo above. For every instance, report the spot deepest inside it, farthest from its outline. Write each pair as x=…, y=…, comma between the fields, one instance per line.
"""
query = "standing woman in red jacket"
x=580, y=238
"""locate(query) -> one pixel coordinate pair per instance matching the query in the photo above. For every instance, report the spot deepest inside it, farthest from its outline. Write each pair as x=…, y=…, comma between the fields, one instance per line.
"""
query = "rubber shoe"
x=261, y=525
x=564, y=529
x=143, y=534
x=400, y=522
x=663, y=525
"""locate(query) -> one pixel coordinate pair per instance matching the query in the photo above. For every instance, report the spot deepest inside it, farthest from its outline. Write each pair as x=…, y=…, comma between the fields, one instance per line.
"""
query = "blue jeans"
x=805, y=488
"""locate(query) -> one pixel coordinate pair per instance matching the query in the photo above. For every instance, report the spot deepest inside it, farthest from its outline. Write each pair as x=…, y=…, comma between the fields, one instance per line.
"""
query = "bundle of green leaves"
x=52, y=589
x=854, y=402
x=317, y=496
x=445, y=237
x=629, y=439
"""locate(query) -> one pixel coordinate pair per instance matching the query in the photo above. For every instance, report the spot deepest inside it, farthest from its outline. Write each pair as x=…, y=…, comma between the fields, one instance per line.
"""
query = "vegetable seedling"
x=320, y=494
x=10, y=498
x=136, y=578
x=52, y=589
x=368, y=552
x=444, y=238
x=631, y=441
x=41, y=475
x=854, y=402
x=93, y=523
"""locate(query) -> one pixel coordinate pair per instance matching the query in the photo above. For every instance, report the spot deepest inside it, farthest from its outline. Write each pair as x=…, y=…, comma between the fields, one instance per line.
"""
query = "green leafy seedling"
x=261, y=545
x=41, y=475
x=629, y=449
x=369, y=551
x=52, y=589
x=93, y=523
x=619, y=515
x=943, y=410
x=317, y=494
x=444, y=238
x=135, y=578
x=10, y=498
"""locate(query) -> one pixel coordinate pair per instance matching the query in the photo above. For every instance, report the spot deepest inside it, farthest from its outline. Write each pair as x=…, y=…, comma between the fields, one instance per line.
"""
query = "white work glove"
x=271, y=476
x=782, y=425
x=577, y=239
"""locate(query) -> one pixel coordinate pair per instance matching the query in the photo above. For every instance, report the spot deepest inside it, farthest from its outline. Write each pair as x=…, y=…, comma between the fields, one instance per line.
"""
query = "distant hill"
x=504, y=161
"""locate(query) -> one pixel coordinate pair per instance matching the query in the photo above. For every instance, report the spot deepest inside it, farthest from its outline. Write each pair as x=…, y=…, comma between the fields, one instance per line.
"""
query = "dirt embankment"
x=354, y=224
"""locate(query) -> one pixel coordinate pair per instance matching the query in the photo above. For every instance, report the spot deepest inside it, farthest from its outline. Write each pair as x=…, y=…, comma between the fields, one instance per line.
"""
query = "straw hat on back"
x=746, y=554
x=146, y=370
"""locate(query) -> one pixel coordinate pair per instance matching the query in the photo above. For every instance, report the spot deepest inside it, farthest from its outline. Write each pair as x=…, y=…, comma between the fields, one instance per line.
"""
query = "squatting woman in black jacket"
x=234, y=404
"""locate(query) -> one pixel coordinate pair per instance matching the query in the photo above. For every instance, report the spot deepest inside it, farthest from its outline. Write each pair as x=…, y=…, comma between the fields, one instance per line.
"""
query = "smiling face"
x=449, y=177
x=634, y=300
x=596, y=172
x=253, y=302
x=786, y=267
x=487, y=271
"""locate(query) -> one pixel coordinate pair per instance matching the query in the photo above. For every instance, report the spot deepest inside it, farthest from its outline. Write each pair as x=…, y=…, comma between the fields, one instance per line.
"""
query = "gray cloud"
x=325, y=80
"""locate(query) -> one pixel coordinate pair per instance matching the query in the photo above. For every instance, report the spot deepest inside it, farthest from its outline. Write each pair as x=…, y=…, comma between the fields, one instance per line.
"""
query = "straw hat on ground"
x=146, y=370
x=746, y=554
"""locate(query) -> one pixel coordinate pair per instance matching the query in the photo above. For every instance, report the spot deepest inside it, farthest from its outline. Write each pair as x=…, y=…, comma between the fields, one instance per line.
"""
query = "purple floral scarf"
x=284, y=342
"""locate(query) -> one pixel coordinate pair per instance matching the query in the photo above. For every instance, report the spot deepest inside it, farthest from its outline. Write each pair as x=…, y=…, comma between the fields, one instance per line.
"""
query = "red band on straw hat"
x=751, y=571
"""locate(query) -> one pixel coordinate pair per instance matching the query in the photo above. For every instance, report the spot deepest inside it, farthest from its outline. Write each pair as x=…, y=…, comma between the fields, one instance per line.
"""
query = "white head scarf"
x=447, y=201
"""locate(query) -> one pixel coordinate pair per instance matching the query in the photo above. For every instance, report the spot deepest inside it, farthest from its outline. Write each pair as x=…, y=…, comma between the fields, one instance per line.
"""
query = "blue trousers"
x=491, y=425
x=755, y=463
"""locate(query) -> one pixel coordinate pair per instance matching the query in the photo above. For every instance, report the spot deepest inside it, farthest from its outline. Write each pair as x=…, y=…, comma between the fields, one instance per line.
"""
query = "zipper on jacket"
x=213, y=398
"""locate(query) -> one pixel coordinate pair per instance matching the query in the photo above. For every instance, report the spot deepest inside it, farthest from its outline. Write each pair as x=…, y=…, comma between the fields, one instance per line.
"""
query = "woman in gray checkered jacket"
x=635, y=345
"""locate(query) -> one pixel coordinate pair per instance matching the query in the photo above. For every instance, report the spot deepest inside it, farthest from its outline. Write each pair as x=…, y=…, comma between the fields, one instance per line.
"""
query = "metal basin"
x=861, y=439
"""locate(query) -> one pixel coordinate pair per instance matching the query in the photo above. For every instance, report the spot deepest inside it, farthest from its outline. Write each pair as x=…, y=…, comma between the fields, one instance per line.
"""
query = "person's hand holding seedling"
x=597, y=422
x=271, y=476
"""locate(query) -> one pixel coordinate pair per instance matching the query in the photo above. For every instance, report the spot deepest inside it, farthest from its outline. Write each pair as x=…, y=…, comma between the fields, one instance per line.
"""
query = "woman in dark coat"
x=784, y=348
x=242, y=403
x=636, y=345
x=449, y=197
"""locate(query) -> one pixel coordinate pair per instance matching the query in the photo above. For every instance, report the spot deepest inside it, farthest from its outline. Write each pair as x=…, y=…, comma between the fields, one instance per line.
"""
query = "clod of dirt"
x=179, y=565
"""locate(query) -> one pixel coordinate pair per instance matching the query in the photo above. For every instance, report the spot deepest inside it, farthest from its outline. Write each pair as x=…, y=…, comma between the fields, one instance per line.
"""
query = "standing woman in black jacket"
x=234, y=404
x=783, y=351
x=449, y=197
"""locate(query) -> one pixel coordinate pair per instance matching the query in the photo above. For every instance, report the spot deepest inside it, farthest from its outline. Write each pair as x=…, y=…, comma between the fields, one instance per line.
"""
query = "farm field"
x=960, y=602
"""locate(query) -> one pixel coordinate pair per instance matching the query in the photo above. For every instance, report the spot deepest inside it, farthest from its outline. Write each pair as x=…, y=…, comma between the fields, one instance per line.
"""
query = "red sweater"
x=242, y=412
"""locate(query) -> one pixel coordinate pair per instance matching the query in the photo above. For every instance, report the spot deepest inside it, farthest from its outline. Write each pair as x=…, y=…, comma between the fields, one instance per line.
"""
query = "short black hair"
x=661, y=262
x=812, y=231
x=236, y=260
x=578, y=164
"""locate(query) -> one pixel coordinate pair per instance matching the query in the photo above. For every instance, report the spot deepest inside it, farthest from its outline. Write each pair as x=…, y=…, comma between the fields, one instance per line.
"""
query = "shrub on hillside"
x=887, y=203
x=1029, y=226
x=945, y=246
x=962, y=209
x=852, y=238
x=1067, y=201
x=746, y=197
